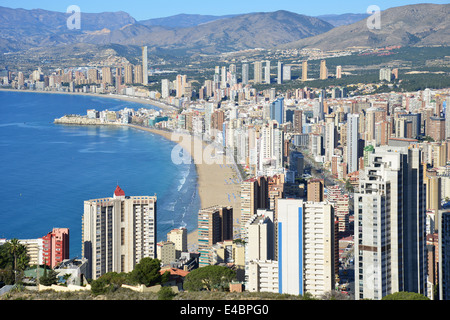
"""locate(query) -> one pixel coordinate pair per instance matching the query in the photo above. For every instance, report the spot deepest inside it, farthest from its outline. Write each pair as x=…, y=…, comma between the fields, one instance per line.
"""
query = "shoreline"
x=140, y=100
x=215, y=181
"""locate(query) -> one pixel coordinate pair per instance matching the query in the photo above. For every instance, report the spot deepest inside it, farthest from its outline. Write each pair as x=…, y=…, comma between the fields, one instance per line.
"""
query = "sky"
x=149, y=9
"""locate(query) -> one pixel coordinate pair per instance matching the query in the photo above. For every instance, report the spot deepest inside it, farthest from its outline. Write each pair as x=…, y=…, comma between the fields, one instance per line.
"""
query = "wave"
x=185, y=175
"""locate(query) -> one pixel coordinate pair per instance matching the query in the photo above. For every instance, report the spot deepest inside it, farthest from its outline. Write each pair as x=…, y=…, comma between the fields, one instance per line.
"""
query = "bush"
x=405, y=296
x=166, y=293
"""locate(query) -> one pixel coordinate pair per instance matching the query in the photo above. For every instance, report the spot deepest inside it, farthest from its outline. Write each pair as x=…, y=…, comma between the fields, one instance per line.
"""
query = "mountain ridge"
x=422, y=24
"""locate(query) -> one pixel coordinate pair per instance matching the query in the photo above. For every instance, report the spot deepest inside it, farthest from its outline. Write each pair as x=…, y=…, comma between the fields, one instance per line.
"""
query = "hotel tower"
x=117, y=232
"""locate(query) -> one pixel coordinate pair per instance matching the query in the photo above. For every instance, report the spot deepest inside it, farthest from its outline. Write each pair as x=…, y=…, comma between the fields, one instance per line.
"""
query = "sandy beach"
x=218, y=184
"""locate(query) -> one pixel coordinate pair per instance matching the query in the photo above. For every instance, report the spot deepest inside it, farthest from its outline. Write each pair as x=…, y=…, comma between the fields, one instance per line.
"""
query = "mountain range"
x=422, y=24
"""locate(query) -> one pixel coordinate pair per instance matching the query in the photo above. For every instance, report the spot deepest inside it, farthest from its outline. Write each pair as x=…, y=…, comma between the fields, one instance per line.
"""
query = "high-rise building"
x=277, y=110
x=215, y=224
x=138, y=75
x=267, y=72
x=165, y=88
x=179, y=238
x=254, y=196
x=306, y=247
x=330, y=137
x=298, y=121
x=272, y=148
x=385, y=74
x=305, y=70
x=55, y=246
x=340, y=201
x=287, y=73
x=106, y=75
x=352, y=142
x=128, y=74
x=280, y=72
x=118, y=232
x=144, y=66
x=323, y=70
x=390, y=239
x=315, y=190
x=180, y=83
x=93, y=75
x=338, y=72
x=245, y=71
x=444, y=254
x=258, y=72
x=21, y=79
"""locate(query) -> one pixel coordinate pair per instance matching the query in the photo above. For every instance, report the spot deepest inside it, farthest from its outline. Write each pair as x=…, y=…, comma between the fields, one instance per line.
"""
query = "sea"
x=48, y=170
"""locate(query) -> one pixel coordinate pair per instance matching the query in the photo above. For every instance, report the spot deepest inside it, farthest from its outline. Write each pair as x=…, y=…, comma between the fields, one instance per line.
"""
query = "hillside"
x=412, y=25
x=24, y=29
x=255, y=30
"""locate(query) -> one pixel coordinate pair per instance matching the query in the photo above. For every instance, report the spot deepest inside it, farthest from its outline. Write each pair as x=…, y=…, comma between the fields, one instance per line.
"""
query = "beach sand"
x=218, y=184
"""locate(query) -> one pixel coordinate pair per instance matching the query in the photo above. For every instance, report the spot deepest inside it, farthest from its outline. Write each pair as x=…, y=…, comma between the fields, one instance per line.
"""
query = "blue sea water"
x=48, y=170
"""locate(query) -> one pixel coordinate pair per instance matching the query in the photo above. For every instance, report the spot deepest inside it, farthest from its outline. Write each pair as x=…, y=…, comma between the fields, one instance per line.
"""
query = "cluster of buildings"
x=390, y=150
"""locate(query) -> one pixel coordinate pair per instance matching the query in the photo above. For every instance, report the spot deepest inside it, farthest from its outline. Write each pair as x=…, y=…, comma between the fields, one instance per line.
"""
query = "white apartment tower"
x=144, y=66
x=390, y=224
x=305, y=241
x=352, y=142
x=117, y=232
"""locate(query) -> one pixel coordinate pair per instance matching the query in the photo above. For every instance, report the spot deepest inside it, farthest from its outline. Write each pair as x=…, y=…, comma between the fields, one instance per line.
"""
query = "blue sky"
x=147, y=9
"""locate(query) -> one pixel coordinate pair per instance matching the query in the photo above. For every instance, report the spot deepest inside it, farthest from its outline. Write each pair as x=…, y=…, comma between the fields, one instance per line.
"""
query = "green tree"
x=14, y=254
x=146, y=272
x=49, y=277
x=403, y=295
x=209, y=278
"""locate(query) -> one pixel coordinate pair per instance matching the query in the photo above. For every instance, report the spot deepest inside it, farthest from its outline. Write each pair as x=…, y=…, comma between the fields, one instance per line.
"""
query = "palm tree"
x=14, y=247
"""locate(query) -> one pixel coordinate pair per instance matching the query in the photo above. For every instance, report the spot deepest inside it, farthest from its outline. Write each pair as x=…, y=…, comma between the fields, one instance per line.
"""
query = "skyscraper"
x=286, y=73
x=338, y=72
x=280, y=72
x=165, y=88
x=254, y=196
x=144, y=66
x=306, y=245
x=267, y=72
x=352, y=142
x=258, y=72
x=444, y=254
x=128, y=77
x=277, y=110
x=245, y=73
x=390, y=214
x=323, y=70
x=215, y=224
x=305, y=70
x=117, y=232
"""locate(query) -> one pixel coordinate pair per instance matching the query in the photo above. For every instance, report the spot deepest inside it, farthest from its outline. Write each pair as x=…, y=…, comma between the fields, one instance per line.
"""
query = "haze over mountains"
x=423, y=24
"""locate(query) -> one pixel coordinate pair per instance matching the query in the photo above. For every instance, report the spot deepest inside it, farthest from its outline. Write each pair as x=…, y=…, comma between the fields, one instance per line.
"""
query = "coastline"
x=215, y=181
x=148, y=101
